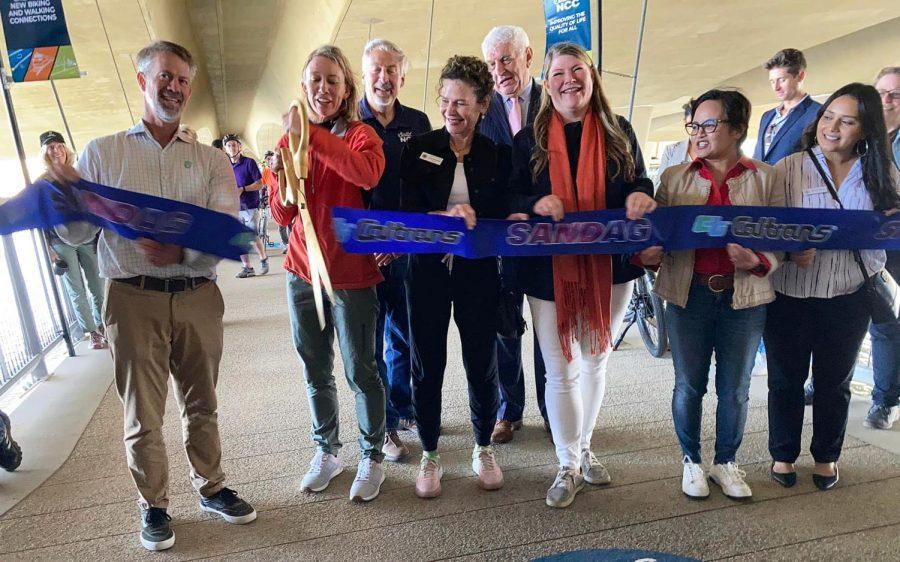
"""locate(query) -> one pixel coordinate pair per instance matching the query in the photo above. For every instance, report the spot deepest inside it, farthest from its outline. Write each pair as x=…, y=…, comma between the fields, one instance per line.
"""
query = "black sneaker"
x=882, y=417
x=227, y=504
x=156, y=533
x=10, y=452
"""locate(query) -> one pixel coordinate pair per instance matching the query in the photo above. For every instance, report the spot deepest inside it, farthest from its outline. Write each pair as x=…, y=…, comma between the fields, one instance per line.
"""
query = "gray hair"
x=147, y=55
x=505, y=34
x=887, y=70
x=385, y=46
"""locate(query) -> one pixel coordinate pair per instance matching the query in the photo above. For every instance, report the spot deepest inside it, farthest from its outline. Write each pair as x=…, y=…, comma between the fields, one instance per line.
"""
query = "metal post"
x=16, y=275
x=637, y=61
x=63, y=114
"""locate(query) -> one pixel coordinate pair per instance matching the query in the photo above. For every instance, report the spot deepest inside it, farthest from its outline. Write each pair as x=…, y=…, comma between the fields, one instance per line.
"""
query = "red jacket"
x=338, y=169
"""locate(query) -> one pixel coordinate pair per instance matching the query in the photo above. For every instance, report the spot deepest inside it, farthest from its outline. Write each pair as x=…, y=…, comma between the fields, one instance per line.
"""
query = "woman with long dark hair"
x=820, y=312
x=578, y=156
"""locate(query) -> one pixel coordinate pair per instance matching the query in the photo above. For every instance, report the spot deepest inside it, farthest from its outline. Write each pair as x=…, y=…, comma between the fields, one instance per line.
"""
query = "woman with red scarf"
x=578, y=156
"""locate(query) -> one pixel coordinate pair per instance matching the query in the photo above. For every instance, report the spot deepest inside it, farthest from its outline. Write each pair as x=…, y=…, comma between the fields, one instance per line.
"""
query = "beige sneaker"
x=428, y=482
x=485, y=466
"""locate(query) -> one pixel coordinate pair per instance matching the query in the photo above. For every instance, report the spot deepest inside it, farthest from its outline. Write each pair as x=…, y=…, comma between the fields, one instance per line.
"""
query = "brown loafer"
x=503, y=431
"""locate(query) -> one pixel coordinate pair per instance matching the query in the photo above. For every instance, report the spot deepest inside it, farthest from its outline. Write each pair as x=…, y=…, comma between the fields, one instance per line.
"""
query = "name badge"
x=431, y=158
x=821, y=190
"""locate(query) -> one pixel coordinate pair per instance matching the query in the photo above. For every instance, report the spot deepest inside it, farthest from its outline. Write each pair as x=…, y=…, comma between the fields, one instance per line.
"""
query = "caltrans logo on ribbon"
x=609, y=232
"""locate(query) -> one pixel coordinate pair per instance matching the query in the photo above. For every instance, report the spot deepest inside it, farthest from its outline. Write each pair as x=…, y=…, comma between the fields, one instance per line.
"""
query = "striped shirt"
x=184, y=170
x=832, y=272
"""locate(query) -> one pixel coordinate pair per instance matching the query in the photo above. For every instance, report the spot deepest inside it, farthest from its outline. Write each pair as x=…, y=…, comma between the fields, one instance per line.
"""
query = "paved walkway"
x=87, y=510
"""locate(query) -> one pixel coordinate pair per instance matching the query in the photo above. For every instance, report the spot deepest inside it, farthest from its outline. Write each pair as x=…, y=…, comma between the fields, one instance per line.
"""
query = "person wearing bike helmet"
x=716, y=296
x=586, y=158
x=249, y=181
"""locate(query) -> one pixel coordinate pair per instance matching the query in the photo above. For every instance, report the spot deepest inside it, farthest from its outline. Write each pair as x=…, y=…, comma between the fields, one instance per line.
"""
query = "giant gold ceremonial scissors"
x=292, y=191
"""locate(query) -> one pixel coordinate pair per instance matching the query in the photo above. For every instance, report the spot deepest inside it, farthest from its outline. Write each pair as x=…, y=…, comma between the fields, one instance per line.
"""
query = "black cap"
x=230, y=137
x=267, y=154
x=51, y=136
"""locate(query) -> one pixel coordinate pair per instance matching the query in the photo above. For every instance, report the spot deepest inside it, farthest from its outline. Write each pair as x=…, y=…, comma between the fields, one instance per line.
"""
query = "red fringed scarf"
x=582, y=284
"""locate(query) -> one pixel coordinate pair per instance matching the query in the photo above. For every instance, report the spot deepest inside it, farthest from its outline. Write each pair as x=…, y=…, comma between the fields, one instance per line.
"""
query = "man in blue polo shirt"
x=384, y=69
x=249, y=181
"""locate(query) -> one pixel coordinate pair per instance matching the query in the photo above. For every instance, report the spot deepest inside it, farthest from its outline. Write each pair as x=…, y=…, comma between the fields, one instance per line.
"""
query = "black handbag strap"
x=833, y=191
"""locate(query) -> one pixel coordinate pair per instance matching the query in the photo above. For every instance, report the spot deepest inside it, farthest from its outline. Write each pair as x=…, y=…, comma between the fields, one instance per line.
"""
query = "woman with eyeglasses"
x=578, y=156
x=716, y=296
x=820, y=313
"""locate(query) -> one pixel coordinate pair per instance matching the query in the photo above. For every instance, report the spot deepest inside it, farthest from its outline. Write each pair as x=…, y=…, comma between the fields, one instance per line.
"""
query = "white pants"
x=574, y=391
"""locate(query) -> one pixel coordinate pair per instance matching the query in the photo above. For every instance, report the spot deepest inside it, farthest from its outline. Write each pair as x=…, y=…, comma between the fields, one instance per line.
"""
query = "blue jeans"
x=709, y=324
x=352, y=316
x=392, y=343
x=82, y=259
x=886, y=363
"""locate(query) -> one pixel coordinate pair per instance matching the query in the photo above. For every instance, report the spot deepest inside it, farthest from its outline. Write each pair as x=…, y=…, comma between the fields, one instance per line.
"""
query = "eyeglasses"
x=894, y=95
x=709, y=126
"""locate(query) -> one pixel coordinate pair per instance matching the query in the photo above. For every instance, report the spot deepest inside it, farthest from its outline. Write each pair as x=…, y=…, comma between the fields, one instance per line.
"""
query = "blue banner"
x=608, y=232
x=37, y=40
x=568, y=20
x=129, y=214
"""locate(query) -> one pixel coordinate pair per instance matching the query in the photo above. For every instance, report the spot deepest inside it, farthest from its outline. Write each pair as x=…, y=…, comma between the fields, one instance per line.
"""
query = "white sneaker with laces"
x=731, y=479
x=485, y=466
x=693, y=480
x=369, y=478
x=322, y=469
x=593, y=470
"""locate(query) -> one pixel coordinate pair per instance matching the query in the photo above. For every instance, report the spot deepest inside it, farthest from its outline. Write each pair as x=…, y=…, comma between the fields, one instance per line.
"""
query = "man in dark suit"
x=514, y=105
x=781, y=129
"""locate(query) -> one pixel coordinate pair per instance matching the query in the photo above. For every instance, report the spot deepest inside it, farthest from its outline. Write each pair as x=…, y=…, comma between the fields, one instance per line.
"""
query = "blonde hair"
x=618, y=147
x=45, y=157
x=349, y=109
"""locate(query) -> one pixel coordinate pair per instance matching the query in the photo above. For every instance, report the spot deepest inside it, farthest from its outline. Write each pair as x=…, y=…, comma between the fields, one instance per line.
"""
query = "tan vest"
x=682, y=185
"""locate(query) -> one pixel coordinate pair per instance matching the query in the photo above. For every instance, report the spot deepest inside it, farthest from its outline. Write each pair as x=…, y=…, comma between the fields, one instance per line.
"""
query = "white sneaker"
x=322, y=469
x=593, y=470
x=731, y=479
x=693, y=481
x=485, y=466
x=394, y=449
x=369, y=478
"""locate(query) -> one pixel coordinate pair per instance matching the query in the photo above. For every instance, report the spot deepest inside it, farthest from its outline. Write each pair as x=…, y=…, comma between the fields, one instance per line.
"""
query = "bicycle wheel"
x=651, y=319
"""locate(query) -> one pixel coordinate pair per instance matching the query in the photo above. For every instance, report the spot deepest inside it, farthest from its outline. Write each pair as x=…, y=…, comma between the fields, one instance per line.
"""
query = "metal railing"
x=29, y=322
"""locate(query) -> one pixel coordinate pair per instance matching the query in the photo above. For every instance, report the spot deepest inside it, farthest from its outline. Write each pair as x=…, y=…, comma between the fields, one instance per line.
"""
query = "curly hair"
x=471, y=70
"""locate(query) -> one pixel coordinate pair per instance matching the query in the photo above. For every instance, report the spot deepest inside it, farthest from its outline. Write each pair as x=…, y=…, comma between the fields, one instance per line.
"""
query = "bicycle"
x=646, y=310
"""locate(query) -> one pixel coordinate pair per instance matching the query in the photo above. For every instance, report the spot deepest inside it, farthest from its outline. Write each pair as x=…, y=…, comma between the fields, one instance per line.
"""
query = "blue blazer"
x=495, y=124
x=790, y=136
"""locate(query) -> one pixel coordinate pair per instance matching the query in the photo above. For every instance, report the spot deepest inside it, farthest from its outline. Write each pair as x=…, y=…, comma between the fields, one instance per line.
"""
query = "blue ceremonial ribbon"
x=609, y=232
x=129, y=214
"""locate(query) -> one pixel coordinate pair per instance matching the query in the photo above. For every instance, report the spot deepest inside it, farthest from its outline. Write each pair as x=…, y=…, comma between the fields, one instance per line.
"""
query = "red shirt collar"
x=743, y=163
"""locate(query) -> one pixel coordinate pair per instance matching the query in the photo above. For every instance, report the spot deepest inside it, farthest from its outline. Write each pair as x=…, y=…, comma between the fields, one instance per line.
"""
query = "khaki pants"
x=152, y=335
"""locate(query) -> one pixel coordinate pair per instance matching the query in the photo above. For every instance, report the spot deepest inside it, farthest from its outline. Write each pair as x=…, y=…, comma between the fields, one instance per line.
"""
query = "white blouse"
x=832, y=273
x=459, y=192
